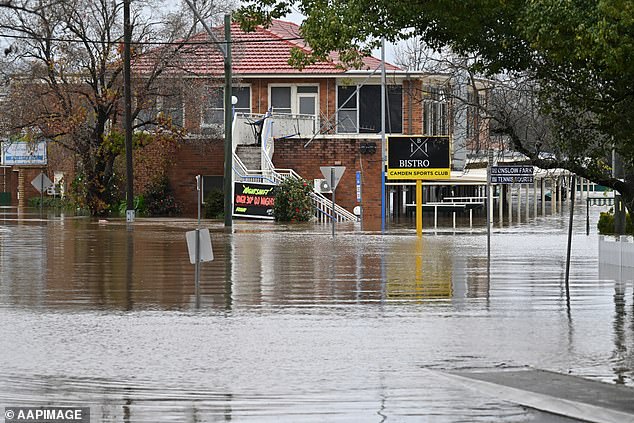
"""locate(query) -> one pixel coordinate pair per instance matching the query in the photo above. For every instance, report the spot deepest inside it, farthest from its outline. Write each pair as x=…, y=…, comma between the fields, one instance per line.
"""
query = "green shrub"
x=214, y=204
x=606, y=223
x=293, y=202
x=160, y=201
x=138, y=204
x=51, y=202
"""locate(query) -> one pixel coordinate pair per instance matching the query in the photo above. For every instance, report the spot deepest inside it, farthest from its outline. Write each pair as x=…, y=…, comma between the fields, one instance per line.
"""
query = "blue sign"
x=20, y=153
x=358, y=186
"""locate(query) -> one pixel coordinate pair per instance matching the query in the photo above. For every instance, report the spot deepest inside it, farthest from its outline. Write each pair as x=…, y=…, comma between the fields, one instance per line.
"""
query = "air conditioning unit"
x=322, y=186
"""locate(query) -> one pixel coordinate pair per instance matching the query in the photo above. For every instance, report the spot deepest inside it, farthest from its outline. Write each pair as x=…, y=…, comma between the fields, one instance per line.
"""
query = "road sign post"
x=41, y=183
x=333, y=174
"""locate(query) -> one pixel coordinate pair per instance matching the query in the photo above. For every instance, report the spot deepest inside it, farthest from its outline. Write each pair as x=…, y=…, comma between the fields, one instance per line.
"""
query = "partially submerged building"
x=291, y=122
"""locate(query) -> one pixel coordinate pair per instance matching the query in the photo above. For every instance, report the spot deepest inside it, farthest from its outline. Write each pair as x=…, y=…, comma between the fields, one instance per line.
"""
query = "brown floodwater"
x=293, y=325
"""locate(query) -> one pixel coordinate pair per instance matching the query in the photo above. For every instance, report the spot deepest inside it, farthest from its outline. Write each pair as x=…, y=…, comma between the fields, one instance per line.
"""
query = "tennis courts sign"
x=511, y=174
x=418, y=157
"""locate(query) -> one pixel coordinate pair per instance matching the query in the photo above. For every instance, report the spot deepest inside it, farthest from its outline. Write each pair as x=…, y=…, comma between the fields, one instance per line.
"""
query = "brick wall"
x=291, y=154
x=191, y=158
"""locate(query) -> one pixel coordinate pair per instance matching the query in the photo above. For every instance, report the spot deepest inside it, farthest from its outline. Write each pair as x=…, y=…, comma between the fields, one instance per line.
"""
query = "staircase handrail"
x=320, y=198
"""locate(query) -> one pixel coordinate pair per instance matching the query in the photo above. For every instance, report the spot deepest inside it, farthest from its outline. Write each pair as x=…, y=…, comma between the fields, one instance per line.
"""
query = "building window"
x=475, y=103
x=347, y=118
x=360, y=111
x=166, y=105
x=213, y=113
x=294, y=99
x=435, y=110
x=172, y=107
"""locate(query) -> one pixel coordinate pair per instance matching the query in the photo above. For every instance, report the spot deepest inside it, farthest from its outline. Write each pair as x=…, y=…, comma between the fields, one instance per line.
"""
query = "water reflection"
x=293, y=325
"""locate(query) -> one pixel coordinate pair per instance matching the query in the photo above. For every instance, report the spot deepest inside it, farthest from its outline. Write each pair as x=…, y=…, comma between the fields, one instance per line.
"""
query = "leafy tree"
x=574, y=59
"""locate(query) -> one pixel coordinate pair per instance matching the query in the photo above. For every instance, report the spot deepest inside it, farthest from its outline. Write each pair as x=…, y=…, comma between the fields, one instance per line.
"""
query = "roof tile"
x=264, y=51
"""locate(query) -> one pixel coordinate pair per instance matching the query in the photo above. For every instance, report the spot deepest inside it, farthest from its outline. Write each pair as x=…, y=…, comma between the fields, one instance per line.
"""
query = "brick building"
x=321, y=115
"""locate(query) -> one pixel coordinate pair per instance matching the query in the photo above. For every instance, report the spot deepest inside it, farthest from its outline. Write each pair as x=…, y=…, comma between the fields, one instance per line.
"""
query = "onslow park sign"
x=418, y=157
x=511, y=174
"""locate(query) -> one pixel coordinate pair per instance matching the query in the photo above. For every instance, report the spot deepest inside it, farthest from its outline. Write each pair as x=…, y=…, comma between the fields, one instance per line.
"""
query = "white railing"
x=269, y=174
x=323, y=207
x=288, y=125
x=243, y=128
x=616, y=251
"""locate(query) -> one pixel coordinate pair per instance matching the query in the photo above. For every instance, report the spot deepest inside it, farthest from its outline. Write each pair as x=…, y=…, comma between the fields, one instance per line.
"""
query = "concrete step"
x=565, y=395
x=250, y=156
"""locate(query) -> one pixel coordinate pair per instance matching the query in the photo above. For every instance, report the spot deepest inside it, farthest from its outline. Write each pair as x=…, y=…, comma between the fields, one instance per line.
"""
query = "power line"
x=148, y=43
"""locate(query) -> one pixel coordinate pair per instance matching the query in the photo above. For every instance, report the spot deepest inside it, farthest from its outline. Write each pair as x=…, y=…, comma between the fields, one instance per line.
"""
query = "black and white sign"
x=511, y=174
x=418, y=157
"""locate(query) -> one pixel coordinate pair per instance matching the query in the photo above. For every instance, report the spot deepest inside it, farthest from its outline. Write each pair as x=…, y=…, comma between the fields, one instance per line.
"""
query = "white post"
x=509, y=192
x=559, y=196
x=535, y=198
x=501, y=204
x=543, y=189
x=528, y=209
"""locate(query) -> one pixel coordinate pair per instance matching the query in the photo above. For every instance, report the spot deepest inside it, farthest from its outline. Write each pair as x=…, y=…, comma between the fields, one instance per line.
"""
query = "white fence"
x=616, y=252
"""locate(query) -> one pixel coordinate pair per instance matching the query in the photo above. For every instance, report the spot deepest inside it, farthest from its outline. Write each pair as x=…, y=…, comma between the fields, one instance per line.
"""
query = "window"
x=166, y=105
x=474, y=105
x=172, y=107
x=435, y=110
x=361, y=112
x=347, y=119
x=295, y=99
x=213, y=113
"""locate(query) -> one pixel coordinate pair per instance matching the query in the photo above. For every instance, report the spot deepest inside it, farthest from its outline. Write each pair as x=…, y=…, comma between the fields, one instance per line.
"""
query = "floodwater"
x=292, y=325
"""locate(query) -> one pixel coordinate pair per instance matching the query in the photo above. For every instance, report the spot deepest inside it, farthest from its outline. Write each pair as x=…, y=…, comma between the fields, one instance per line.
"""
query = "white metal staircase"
x=248, y=154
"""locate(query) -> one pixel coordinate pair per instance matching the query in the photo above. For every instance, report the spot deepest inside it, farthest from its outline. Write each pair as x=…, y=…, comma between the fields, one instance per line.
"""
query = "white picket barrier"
x=616, y=252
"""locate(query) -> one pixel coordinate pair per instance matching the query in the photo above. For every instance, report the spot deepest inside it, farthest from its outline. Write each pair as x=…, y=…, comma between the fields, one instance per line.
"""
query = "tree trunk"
x=98, y=183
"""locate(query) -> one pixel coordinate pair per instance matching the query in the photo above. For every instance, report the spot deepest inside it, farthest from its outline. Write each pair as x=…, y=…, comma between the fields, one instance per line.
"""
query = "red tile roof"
x=265, y=51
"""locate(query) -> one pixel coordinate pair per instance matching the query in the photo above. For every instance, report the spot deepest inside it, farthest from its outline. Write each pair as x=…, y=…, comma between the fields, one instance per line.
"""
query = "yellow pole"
x=419, y=207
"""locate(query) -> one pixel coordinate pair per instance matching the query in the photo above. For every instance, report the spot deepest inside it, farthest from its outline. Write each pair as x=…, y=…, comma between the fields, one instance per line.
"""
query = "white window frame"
x=436, y=123
x=295, y=96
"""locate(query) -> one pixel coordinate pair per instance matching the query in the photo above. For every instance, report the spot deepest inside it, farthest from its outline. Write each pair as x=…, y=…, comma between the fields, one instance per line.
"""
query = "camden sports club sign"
x=418, y=157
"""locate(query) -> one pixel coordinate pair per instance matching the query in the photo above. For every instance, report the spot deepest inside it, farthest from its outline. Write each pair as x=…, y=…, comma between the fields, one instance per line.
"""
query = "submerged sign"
x=20, y=153
x=418, y=157
x=511, y=174
x=253, y=200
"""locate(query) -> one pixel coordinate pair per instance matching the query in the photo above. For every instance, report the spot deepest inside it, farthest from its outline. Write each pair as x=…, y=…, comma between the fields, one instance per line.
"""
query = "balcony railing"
x=283, y=126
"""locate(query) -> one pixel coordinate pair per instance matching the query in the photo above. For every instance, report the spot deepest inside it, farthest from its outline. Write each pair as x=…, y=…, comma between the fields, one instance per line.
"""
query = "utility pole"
x=383, y=143
x=228, y=126
x=225, y=49
x=127, y=98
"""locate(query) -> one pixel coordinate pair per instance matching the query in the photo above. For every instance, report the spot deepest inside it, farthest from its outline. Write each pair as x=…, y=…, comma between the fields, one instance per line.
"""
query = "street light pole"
x=225, y=48
x=228, y=186
x=127, y=98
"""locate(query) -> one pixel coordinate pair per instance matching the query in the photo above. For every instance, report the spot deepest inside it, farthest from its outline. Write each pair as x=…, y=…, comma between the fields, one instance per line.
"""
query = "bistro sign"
x=418, y=157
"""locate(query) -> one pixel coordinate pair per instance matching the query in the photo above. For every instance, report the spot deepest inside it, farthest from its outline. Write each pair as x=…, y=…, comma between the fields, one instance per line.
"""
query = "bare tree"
x=64, y=64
